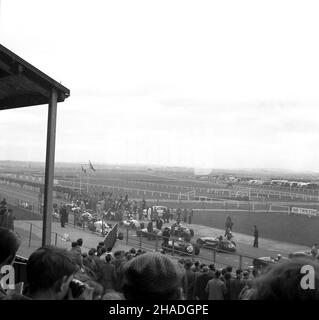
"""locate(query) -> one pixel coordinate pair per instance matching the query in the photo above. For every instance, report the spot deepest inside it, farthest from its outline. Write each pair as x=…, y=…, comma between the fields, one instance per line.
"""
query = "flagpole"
x=81, y=181
x=87, y=183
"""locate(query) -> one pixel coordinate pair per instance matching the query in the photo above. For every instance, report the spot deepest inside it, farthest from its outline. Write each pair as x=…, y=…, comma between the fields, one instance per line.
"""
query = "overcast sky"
x=218, y=84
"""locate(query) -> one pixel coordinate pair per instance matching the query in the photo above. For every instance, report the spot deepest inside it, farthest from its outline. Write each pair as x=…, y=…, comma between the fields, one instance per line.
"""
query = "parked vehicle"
x=264, y=262
x=181, y=247
x=217, y=243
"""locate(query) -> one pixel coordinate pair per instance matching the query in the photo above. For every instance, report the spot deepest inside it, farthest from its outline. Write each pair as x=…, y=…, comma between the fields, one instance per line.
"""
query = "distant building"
x=202, y=172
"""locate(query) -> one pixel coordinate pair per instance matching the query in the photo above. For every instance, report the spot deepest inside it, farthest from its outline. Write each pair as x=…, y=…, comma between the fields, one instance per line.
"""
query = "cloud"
x=216, y=84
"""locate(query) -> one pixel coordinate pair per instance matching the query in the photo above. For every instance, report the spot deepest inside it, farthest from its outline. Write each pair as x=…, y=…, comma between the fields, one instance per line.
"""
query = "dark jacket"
x=150, y=227
x=190, y=282
x=118, y=268
x=199, y=286
x=108, y=280
x=236, y=286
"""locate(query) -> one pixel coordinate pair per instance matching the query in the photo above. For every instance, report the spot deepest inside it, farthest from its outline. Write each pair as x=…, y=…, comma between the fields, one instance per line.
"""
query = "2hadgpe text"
x=159, y=309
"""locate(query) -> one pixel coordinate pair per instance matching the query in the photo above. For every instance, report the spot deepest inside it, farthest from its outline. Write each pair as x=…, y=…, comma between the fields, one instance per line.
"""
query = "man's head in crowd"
x=108, y=258
x=229, y=269
x=205, y=269
x=283, y=282
x=92, y=252
x=79, y=242
x=9, y=245
x=152, y=276
x=118, y=254
x=128, y=256
x=202, y=265
x=188, y=264
x=49, y=273
x=227, y=276
x=74, y=244
x=239, y=273
x=217, y=274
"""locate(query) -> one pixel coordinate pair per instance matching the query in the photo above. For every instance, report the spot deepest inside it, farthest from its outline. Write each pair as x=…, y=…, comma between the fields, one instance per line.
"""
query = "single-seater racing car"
x=217, y=243
x=181, y=247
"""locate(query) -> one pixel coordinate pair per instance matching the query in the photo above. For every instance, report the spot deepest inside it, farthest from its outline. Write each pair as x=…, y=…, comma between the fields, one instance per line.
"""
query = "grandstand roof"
x=23, y=85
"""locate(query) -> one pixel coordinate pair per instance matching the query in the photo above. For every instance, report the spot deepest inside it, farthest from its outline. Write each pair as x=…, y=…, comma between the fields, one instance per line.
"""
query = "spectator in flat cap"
x=152, y=276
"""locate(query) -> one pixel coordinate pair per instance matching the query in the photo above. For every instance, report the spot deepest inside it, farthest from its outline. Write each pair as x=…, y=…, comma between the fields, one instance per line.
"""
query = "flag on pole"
x=91, y=166
x=84, y=170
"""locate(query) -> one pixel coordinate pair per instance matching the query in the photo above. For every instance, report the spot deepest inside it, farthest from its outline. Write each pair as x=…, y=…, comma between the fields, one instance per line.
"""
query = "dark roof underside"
x=22, y=85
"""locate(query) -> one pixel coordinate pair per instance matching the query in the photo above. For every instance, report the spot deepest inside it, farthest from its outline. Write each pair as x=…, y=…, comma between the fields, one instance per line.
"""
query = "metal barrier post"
x=173, y=246
x=240, y=261
x=140, y=236
x=30, y=235
x=214, y=256
x=56, y=239
x=126, y=235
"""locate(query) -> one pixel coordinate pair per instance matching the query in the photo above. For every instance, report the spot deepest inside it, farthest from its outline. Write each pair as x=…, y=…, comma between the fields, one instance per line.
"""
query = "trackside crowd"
x=55, y=274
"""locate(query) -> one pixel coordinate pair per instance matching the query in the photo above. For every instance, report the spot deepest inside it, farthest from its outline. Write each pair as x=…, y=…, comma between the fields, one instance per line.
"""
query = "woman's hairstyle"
x=9, y=245
x=152, y=276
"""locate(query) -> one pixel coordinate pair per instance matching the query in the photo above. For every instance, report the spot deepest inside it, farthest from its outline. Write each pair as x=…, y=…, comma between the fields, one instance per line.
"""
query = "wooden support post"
x=49, y=169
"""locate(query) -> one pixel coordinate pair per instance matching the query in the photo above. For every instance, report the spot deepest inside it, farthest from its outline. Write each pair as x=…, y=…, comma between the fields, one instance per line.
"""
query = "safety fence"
x=34, y=241
x=143, y=240
x=30, y=202
x=179, y=249
x=182, y=192
x=178, y=192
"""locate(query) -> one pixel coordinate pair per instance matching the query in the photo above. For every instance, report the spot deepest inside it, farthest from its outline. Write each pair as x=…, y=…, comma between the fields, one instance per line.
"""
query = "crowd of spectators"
x=116, y=207
x=101, y=274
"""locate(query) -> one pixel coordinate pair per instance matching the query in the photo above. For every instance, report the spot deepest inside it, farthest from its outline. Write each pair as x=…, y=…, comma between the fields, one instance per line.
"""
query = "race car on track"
x=131, y=223
x=144, y=233
x=264, y=262
x=217, y=243
x=180, y=230
x=301, y=254
x=181, y=247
